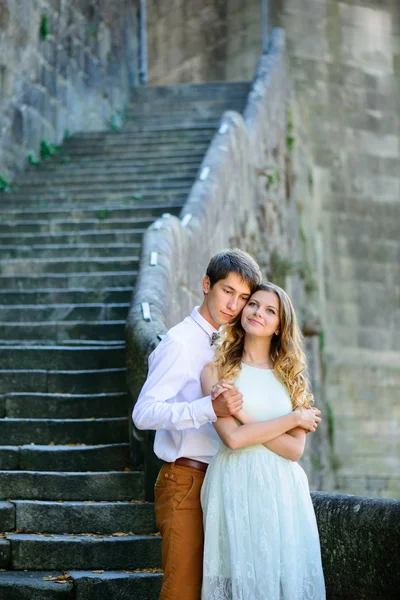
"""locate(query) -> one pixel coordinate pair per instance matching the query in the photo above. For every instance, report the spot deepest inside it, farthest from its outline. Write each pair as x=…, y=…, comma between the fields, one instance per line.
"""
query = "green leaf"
x=33, y=160
x=4, y=184
x=103, y=212
x=44, y=27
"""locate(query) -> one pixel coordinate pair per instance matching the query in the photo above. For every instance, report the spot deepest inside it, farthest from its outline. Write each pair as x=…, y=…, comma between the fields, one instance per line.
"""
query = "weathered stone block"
x=7, y=516
x=5, y=553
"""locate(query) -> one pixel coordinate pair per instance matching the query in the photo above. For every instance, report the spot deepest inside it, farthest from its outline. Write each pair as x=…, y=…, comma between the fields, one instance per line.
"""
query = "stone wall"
x=203, y=40
x=65, y=66
x=247, y=180
x=345, y=70
x=359, y=546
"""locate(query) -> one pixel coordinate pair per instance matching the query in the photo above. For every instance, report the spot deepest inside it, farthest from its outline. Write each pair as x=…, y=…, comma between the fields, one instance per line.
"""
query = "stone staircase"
x=70, y=238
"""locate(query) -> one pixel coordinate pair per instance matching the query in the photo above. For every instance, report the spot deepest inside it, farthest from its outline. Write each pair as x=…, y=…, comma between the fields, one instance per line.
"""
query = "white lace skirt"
x=261, y=537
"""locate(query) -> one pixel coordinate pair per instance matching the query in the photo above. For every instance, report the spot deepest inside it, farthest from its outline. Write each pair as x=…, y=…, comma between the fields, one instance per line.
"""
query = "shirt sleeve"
x=155, y=407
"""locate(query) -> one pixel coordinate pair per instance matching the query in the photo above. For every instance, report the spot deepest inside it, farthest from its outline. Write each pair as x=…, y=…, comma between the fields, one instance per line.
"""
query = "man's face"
x=225, y=299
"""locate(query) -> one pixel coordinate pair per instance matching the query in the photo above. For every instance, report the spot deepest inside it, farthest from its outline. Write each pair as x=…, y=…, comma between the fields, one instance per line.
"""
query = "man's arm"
x=155, y=408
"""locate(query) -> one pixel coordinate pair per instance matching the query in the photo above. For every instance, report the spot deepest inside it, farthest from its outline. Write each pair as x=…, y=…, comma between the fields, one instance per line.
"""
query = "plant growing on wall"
x=4, y=184
x=44, y=27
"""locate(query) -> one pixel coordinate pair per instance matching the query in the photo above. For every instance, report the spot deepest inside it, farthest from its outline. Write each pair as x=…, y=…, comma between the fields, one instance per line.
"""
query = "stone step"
x=104, y=236
x=7, y=516
x=63, y=331
x=95, y=381
x=166, y=115
x=189, y=92
x=150, y=155
x=74, y=296
x=137, y=145
x=121, y=194
x=52, y=485
x=93, y=431
x=63, y=406
x=72, y=225
x=62, y=312
x=68, y=280
x=42, y=266
x=140, y=135
x=148, y=159
x=94, y=166
x=162, y=202
x=134, y=209
x=95, y=457
x=24, y=585
x=24, y=356
x=43, y=251
x=37, y=552
x=124, y=182
x=114, y=174
x=84, y=517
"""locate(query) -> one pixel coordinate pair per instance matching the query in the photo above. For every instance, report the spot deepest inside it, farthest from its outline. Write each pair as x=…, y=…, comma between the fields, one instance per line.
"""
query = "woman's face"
x=260, y=316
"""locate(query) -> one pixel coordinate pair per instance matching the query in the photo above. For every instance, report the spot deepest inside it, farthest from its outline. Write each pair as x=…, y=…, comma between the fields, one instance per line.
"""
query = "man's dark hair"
x=234, y=261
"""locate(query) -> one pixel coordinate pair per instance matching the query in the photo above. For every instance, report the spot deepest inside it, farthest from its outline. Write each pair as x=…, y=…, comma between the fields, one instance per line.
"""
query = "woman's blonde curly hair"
x=286, y=350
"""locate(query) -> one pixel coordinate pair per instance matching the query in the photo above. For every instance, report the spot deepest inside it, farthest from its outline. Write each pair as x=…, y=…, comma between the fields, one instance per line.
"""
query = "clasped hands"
x=228, y=401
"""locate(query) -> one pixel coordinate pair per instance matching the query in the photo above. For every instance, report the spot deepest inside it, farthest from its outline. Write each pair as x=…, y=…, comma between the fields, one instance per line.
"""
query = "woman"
x=261, y=537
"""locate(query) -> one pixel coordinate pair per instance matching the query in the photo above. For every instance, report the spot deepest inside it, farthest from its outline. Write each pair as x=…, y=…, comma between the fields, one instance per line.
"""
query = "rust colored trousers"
x=180, y=520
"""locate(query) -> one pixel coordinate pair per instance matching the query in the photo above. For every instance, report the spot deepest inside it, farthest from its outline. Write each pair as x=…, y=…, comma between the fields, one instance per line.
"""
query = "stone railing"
x=221, y=211
x=360, y=546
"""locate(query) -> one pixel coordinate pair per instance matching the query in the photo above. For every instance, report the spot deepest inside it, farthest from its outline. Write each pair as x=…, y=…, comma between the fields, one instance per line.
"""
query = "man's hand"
x=226, y=399
x=308, y=418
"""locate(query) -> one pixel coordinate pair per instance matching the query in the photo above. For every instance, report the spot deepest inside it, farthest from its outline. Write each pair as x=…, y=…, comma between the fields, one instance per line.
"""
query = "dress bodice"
x=264, y=397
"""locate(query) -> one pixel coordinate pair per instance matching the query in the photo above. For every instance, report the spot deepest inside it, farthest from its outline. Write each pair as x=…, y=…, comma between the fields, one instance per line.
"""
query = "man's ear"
x=206, y=284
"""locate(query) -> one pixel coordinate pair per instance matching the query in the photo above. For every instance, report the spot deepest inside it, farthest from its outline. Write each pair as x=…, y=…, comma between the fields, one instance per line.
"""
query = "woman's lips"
x=254, y=321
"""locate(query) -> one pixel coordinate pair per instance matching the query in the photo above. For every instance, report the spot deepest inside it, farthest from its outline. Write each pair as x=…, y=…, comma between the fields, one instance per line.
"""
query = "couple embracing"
x=231, y=414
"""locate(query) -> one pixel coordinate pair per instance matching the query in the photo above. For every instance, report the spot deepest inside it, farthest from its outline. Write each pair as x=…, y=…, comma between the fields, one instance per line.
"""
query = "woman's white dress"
x=261, y=537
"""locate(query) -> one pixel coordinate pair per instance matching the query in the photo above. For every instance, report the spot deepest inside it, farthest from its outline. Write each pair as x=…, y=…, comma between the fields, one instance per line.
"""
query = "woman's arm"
x=235, y=436
x=289, y=445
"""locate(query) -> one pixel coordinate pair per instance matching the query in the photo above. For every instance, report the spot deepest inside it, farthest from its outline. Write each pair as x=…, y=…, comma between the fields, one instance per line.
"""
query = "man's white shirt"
x=171, y=399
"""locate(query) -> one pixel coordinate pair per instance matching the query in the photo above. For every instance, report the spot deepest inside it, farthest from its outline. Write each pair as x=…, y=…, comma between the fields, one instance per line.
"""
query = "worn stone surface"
x=75, y=517
x=20, y=585
x=359, y=542
x=141, y=586
x=34, y=552
x=203, y=41
x=64, y=67
x=7, y=516
x=346, y=91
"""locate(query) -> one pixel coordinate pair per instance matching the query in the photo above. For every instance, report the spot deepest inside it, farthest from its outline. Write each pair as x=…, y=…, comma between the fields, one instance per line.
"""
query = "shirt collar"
x=204, y=324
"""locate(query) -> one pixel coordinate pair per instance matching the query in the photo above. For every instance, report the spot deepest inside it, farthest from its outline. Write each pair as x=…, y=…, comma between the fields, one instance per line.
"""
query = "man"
x=171, y=402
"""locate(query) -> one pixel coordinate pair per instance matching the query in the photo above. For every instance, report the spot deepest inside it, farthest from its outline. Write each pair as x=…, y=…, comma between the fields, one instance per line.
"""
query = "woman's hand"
x=308, y=418
x=220, y=387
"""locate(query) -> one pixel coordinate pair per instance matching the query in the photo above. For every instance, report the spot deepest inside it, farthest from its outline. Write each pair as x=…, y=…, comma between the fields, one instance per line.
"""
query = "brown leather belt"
x=193, y=464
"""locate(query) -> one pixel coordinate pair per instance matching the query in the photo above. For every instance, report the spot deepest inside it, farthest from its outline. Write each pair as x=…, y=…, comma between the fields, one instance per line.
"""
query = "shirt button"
x=166, y=475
